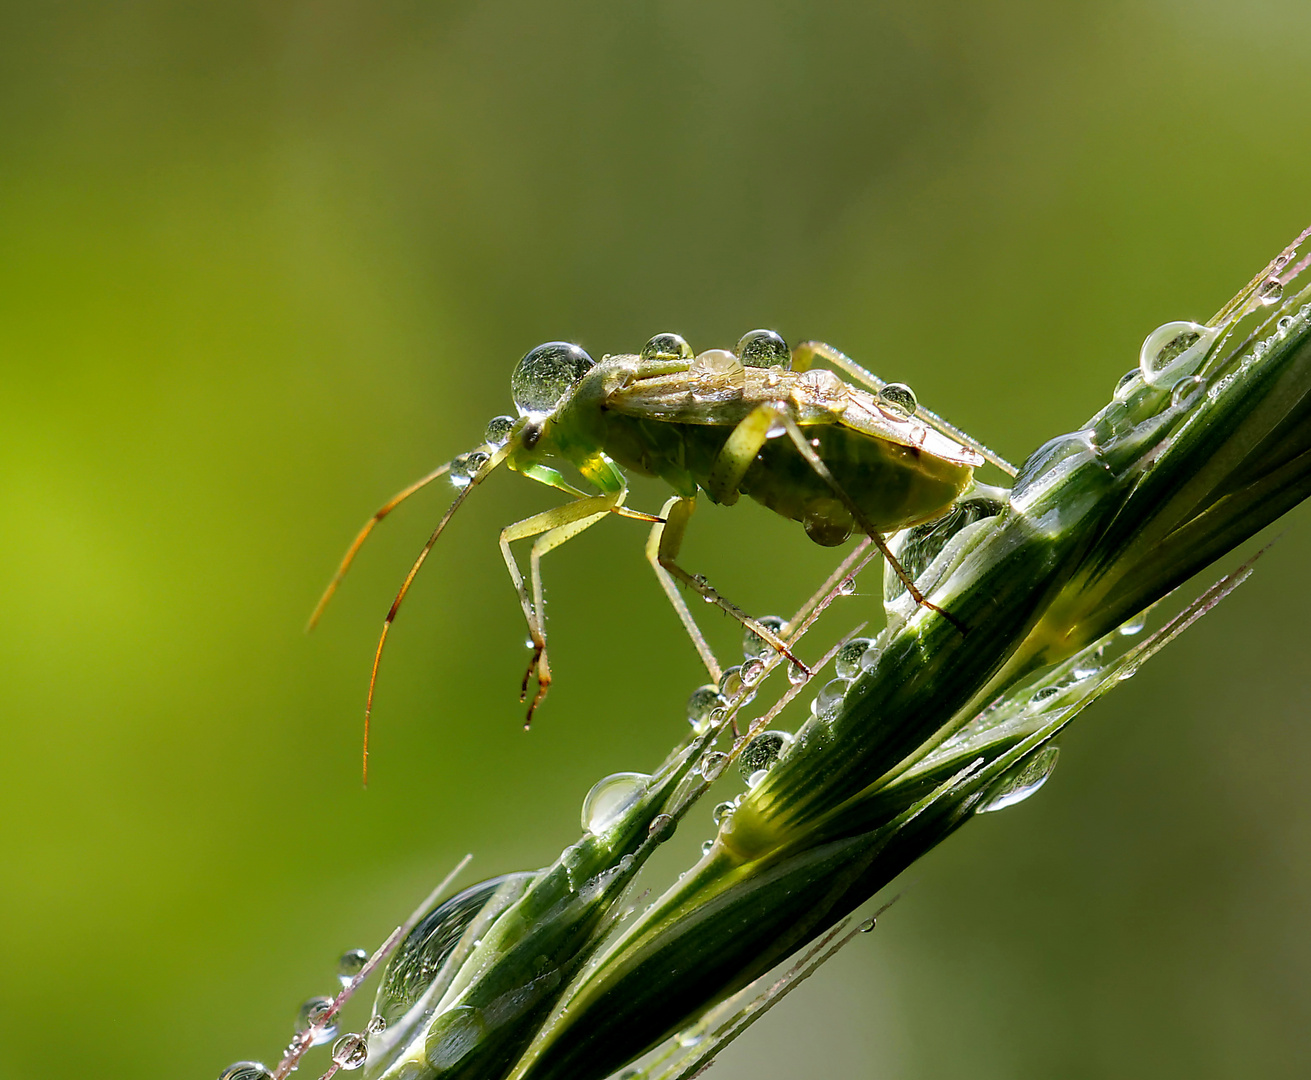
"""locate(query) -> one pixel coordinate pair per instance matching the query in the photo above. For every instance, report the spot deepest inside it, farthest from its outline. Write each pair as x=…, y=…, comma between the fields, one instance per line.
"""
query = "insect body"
x=760, y=421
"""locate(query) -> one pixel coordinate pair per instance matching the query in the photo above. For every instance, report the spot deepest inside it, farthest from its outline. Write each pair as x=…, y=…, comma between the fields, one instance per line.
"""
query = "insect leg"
x=666, y=539
x=803, y=356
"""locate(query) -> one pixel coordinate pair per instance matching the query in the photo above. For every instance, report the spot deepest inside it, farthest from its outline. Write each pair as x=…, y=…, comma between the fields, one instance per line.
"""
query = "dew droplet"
x=1128, y=382
x=350, y=1051
x=719, y=365
x=712, y=764
x=707, y=846
x=796, y=674
x=1173, y=350
x=498, y=431
x=898, y=401
x=754, y=645
x=546, y=374
x=867, y=925
x=350, y=964
x=846, y=665
x=1021, y=782
x=1044, y=695
x=827, y=522
x=730, y=683
x=870, y=657
x=761, y=751
x=1186, y=391
x=824, y=388
x=829, y=699
x=659, y=824
x=465, y=467
x=763, y=349
x=246, y=1070
x=377, y=1025
x=752, y=670
x=611, y=798
x=847, y=587
x=311, y=1013
x=722, y=810
x=1134, y=626
x=1284, y=325
x=667, y=348
x=704, y=700
x=1270, y=292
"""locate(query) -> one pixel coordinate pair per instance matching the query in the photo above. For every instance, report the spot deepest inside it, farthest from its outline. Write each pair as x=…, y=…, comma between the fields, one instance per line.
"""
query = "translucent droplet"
x=1173, y=350
x=659, y=824
x=829, y=698
x=1022, y=782
x=1134, y=626
x=498, y=431
x=763, y=348
x=1085, y=670
x=730, y=683
x=610, y=798
x=867, y=925
x=704, y=700
x=869, y=658
x=667, y=347
x=1271, y=291
x=377, y=1025
x=546, y=374
x=754, y=645
x=824, y=388
x=827, y=522
x=1044, y=695
x=846, y=587
x=777, y=428
x=313, y=1011
x=1187, y=391
x=1044, y=462
x=722, y=811
x=1284, y=325
x=246, y=1070
x=465, y=467
x=712, y=764
x=756, y=777
x=719, y=365
x=705, y=847
x=1128, y=381
x=691, y=1038
x=846, y=665
x=350, y=964
x=796, y=674
x=762, y=751
x=350, y=1051
x=898, y=400
x=752, y=670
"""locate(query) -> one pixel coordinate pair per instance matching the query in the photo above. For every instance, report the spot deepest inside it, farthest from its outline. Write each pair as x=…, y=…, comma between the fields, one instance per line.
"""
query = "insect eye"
x=546, y=374
x=763, y=348
x=530, y=434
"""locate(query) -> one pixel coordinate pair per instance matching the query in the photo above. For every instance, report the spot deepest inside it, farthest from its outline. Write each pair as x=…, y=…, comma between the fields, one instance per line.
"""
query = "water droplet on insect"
x=704, y=700
x=847, y=663
x=465, y=467
x=1128, y=381
x=829, y=699
x=898, y=401
x=763, y=348
x=1186, y=391
x=719, y=365
x=730, y=683
x=667, y=347
x=498, y=431
x=1134, y=626
x=1271, y=291
x=1173, y=350
x=611, y=798
x=827, y=522
x=796, y=674
x=761, y=752
x=825, y=387
x=311, y=1012
x=546, y=374
x=752, y=670
x=351, y=964
x=659, y=824
x=720, y=812
x=1021, y=782
x=754, y=645
x=246, y=1070
x=712, y=764
x=350, y=1051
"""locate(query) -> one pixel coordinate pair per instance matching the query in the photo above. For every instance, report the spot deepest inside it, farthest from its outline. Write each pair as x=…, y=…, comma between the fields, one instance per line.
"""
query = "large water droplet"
x=763, y=348
x=546, y=374
x=712, y=764
x=667, y=347
x=898, y=400
x=752, y=671
x=719, y=365
x=827, y=522
x=1172, y=351
x=246, y=1070
x=311, y=1012
x=498, y=431
x=761, y=752
x=1271, y=291
x=1022, y=782
x=846, y=665
x=610, y=798
x=350, y=964
x=351, y=1051
x=704, y=700
x=754, y=645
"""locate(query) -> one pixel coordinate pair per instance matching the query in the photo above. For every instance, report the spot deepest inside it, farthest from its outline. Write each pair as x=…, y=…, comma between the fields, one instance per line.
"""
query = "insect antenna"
x=488, y=467
x=358, y=543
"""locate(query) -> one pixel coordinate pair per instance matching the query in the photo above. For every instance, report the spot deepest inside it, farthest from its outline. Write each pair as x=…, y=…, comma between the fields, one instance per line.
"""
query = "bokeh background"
x=261, y=264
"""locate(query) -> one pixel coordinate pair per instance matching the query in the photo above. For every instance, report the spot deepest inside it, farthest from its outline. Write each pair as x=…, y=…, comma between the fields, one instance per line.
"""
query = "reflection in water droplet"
x=465, y=467
x=1186, y=391
x=311, y=1012
x=1271, y=291
x=1043, y=696
x=762, y=751
x=498, y=431
x=752, y=670
x=351, y=1051
x=730, y=683
x=704, y=701
x=829, y=699
x=659, y=824
x=763, y=349
x=847, y=586
x=705, y=847
x=667, y=348
x=546, y=374
x=722, y=811
x=1022, y=782
x=1128, y=381
x=796, y=674
x=1285, y=324
x=246, y=1070
x=350, y=964
x=377, y=1025
x=827, y=522
x=898, y=400
x=712, y=764
x=756, y=777
x=1134, y=626
x=847, y=663
x=754, y=645
x=610, y=798
x=719, y=365
x=1173, y=350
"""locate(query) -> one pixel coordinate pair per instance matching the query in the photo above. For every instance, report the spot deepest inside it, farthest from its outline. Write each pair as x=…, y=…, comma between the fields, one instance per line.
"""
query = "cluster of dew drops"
x=349, y=1051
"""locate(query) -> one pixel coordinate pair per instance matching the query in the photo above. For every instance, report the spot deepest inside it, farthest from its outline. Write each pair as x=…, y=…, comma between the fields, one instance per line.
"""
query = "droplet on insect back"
x=546, y=374
x=465, y=467
x=754, y=645
x=246, y=1070
x=351, y=1051
x=311, y=1013
x=712, y=764
x=1022, y=782
x=827, y=522
x=498, y=431
x=667, y=347
x=351, y=964
x=1172, y=351
x=721, y=366
x=609, y=798
x=829, y=698
x=898, y=400
x=1186, y=391
x=763, y=348
x=761, y=752
x=846, y=665
x=730, y=683
x=704, y=700
x=1271, y=291
x=825, y=386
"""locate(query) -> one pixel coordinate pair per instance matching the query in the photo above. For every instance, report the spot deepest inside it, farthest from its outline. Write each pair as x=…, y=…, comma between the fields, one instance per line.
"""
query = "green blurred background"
x=261, y=264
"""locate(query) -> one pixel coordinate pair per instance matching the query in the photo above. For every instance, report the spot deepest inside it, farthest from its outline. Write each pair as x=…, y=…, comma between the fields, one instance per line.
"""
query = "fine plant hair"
x=1063, y=583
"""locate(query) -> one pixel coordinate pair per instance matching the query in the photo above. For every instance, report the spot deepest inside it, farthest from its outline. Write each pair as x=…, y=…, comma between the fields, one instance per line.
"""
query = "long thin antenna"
x=488, y=467
x=386, y=509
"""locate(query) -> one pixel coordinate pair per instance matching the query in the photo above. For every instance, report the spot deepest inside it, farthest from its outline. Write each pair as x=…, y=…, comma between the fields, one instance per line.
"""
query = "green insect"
x=760, y=421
